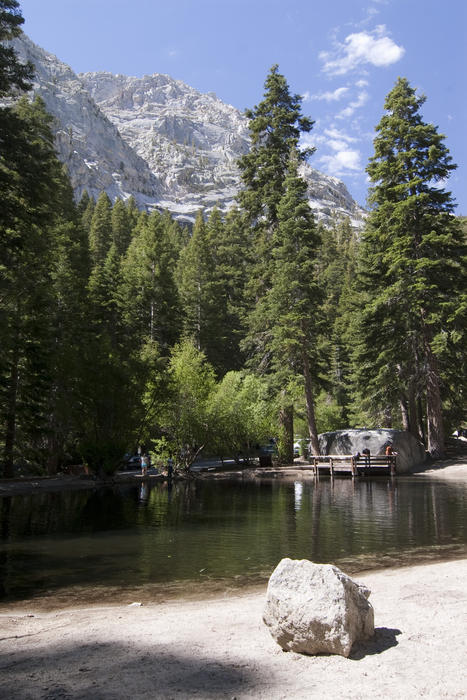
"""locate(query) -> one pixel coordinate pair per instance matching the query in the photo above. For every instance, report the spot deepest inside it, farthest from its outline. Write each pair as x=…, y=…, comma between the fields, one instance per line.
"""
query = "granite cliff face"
x=96, y=155
x=190, y=141
x=157, y=139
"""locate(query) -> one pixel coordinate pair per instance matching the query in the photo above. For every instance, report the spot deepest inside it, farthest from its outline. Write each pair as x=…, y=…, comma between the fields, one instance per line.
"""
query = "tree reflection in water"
x=205, y=534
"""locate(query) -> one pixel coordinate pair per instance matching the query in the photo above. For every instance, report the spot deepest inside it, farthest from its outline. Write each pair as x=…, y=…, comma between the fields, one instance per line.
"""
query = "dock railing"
x=345, y=464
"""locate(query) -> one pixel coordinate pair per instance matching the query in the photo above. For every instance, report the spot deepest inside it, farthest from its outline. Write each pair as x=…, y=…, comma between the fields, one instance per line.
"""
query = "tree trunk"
x=310, y=405
x=10, y=422
x=403, y=403
x=286, y=431
x=434, y=414
x=420, y=423
x=412, y=408
x=387, y=417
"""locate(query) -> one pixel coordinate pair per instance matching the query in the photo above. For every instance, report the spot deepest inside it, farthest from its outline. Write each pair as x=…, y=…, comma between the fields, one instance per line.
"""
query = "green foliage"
x=185, y=415
x=115, y=323
x=148, y=296
x=336, y=265
x=100, y=234
x=329, y=414
x=275, y=128
x=411, y=324
x=14, y=75
x=241, y=415
x=33, y=194
x=205, y=290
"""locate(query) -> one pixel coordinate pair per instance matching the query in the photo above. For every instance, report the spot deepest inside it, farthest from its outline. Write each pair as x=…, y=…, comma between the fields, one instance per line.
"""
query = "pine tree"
x=121, y=227
x=276, y=125
x=100, y=233
x=203, y=305
x=294, y=299
x=275, y=128
x=412, y=277
x=32, y=193
x=233, y=253
x=86, y=208
x=149, y=298
x=337, y=262
x=14, y=75
x=70, y=272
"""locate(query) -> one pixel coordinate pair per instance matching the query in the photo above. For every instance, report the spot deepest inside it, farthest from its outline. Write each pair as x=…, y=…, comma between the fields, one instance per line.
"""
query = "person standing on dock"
x=366, y=454
x=170, y=467
x=390, y=454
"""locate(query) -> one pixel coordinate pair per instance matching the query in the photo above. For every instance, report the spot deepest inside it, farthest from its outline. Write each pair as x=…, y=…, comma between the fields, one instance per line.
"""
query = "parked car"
x=132, y=462
x=267, y=452
x=301, y=445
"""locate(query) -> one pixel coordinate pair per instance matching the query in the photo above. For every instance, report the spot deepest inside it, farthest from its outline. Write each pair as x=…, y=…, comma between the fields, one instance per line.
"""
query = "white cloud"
x=330, y=138
x=362, y=48
x=344, y=158
x=361, y=100
x=342, y=162
x=340, y=135
x=330, y=96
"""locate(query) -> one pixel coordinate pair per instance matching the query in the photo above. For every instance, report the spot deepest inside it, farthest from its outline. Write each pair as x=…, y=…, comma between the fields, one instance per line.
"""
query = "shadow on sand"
x=114, y=671
x=383, y=639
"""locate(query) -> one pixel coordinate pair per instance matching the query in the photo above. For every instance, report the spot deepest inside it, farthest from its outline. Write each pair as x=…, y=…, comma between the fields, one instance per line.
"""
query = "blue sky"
x=343, y=56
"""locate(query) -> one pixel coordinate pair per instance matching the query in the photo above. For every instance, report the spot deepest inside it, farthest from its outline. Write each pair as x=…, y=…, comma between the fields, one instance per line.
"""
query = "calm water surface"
x=199, y=537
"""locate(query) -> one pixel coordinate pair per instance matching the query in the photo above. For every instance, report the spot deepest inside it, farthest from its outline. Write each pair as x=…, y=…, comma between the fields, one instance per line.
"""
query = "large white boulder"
x=410, y=452
x=316, y=608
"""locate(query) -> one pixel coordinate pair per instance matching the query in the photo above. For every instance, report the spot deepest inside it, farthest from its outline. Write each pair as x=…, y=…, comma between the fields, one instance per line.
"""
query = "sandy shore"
x=219, y=648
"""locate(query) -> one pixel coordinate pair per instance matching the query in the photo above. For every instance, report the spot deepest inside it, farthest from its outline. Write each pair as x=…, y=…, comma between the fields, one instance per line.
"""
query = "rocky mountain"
x=96, y=155
x=157, y=139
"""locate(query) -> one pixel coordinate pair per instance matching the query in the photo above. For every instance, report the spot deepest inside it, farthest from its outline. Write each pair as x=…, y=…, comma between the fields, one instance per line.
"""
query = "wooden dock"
x=348, y=465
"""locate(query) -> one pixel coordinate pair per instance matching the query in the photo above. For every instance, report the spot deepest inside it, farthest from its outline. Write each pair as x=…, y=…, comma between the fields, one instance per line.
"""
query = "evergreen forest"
x=122, y=328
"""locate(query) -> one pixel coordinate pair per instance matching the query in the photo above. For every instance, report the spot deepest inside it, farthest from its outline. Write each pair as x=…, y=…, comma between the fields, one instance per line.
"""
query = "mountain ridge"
x=157, y=139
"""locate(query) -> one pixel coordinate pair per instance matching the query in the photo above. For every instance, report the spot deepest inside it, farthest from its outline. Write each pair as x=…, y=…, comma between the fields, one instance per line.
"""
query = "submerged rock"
x=316, y=608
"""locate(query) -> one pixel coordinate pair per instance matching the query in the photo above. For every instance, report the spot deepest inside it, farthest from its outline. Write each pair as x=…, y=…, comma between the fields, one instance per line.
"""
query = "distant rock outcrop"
x=410, y=452
x=157, y=139
x=316, y=608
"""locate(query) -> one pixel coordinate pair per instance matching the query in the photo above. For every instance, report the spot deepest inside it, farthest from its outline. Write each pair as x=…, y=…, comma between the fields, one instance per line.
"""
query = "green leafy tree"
x=185, y=415
x=241, y=414
x=337, y=263
x=275, y=125
x=69, y=275
x=412, y=271
x=86, y=208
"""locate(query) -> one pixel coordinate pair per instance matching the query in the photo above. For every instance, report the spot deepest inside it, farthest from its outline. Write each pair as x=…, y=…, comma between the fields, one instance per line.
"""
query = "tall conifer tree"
x=32, y=212
x=412, y=275
x=201, y=295
x=100, y=234
x=294, y=299
x=276, y=125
